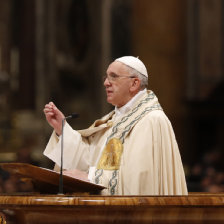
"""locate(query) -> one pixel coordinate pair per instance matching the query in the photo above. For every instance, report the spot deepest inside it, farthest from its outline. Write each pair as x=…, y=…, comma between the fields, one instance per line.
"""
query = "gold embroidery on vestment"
x=111, y=156
x=109, y=124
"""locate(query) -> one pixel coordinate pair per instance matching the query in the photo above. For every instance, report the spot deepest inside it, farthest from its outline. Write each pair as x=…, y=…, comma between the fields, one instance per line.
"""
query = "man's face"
x=118, y=83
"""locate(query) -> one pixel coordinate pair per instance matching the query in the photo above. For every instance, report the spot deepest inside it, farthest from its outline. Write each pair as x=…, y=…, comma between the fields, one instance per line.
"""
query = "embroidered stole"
x=110, y=159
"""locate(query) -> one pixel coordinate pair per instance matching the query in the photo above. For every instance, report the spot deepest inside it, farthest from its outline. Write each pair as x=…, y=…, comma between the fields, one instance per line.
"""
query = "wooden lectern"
x=80, y=208
x=46, y=181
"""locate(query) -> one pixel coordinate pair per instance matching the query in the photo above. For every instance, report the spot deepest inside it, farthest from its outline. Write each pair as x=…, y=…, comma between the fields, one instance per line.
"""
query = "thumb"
x=57, y=112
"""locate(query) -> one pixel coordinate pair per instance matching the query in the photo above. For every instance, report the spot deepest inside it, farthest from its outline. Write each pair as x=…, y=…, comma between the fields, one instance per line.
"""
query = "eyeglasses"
x=113, y=77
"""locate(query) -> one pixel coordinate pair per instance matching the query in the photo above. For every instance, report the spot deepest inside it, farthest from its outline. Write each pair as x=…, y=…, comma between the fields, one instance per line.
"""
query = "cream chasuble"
x=140, y=157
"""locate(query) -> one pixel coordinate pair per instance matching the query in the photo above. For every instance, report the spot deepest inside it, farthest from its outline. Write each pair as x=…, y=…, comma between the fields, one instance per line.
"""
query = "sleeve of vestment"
x=75, y=149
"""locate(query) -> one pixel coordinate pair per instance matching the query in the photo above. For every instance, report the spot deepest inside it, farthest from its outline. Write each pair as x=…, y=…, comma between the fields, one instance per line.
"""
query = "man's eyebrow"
x=112, y=73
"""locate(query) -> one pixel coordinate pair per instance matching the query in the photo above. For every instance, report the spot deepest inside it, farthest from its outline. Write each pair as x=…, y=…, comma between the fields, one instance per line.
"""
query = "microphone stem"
x=61, y=168
x=74, y=115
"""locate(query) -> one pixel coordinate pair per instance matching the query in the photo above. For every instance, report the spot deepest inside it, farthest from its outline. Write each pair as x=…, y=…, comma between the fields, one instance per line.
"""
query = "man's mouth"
x=109, y=92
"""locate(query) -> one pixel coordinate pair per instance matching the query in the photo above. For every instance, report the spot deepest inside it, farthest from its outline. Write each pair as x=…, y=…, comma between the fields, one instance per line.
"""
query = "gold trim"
x=111, y=156
x=110, y=124
x=2, y=218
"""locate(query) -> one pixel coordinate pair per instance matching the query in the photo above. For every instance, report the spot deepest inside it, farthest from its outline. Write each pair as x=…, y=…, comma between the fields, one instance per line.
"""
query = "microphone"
x=73, y=115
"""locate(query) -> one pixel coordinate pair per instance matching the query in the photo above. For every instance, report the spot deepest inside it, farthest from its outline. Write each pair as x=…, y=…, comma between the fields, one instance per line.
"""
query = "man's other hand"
x=76, y=174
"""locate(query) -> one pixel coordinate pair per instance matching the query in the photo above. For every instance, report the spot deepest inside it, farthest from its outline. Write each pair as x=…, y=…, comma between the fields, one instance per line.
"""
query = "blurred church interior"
x=58, y=51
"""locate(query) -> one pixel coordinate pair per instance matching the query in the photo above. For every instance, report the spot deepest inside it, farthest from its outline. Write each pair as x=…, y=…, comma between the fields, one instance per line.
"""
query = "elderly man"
x=132, y=150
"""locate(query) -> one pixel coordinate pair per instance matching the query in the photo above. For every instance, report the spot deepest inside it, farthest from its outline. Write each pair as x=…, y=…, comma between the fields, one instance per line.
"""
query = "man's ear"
x=135, y=85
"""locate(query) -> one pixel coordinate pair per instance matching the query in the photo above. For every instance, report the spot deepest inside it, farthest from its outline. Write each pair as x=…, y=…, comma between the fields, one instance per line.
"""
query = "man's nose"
x=106, y=82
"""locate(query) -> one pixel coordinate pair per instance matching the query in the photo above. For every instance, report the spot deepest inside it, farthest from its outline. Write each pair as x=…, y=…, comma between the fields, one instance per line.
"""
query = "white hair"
x=143, y=79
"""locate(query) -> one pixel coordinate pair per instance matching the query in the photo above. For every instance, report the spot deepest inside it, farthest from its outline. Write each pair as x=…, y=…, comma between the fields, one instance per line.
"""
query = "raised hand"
x=53, y=116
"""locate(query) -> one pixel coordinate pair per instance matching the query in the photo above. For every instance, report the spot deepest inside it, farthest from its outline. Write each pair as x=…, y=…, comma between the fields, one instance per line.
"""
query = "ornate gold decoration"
x=2, y=218
x=109, y=124
x=111, y=156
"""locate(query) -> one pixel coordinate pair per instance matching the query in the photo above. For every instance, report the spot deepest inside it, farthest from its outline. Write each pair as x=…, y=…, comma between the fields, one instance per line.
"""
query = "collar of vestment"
x=128, y=106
